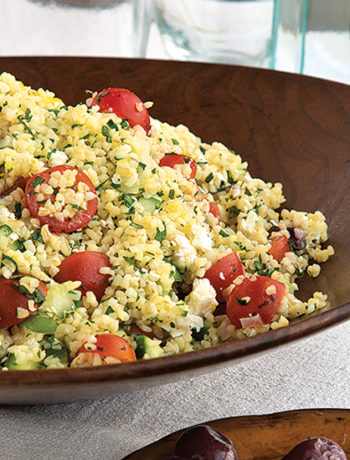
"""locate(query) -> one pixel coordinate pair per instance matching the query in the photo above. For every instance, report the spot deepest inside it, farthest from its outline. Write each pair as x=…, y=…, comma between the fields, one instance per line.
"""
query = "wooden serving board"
x=266, y=437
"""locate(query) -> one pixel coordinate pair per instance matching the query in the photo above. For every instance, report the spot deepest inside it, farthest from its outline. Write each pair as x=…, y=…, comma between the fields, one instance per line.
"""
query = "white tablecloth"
x=311, y=373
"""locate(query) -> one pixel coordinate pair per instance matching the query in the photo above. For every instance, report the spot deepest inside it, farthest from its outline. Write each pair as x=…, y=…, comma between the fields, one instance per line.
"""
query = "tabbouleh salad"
x=124, y=238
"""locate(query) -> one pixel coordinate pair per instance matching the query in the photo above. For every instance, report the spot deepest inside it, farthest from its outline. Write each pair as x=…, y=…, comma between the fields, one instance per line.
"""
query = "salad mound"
x=125, y=238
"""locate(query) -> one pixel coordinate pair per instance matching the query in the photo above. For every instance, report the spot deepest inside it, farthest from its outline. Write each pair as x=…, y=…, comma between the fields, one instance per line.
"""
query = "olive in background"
x=176, y=457
x=204, y=443
x=316, y=449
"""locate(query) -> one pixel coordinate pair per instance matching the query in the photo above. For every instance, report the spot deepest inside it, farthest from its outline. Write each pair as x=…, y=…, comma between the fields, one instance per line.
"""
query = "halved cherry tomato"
x=124, y=104
x=80, y=219
x=20, y=182
x=11, y=300
x=279, y=246
x=175, y=159
x=223, y=272
x=214, y=210
x=85, y=267
x=250, y=299
x=112, y=345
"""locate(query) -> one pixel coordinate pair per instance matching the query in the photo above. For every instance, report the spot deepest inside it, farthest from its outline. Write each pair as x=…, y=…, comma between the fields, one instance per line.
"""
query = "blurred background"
x=304, y=36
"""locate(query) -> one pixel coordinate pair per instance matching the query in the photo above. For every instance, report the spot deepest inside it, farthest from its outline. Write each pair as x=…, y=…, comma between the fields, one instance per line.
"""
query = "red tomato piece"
x=175, y=159
x=85, y=267
x=223, y=272
x=124, y=104
x=80, y=219
x=213, y=207
x=250, y=299
x=279, y=246
x=11, y=300
x=112, y=345
x=214, y=210
x=20, y=182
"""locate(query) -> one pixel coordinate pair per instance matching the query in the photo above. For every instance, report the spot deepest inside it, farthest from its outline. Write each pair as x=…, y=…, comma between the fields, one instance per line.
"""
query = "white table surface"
x=311, y=373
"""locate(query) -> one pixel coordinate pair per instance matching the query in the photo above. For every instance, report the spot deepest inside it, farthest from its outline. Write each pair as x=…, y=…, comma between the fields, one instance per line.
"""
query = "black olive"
x=176, y=457
x=220, y=309
x=316, y=449
x=294, y=241
x=274, y=228
x=205, y=443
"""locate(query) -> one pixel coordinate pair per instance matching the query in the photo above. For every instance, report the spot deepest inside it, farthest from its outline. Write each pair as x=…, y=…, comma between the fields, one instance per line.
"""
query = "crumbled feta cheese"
x=184, y=249
x=202, y=239
x=202, y=299
x=58, y=158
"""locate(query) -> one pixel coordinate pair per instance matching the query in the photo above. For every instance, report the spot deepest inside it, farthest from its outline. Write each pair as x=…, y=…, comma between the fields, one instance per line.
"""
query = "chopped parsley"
x=37, y=295
x=233, y=211
x=100, y=96
x=37, y=181
x=263, y=304
x=18, y=210
x=209, y=178
x=26, y=127
x=224, y=234
x=36, y=235
x=106, y=132
x=124, y=124
x=130, y=260
x=101, y=185
x=161, y=234
x=112, y=125
x=76, y=206
x=199, y=335
x=134, y=224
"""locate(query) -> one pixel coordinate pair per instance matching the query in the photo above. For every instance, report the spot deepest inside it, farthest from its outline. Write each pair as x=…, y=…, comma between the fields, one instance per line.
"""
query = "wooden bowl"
x=266, y=437
x=292, y=129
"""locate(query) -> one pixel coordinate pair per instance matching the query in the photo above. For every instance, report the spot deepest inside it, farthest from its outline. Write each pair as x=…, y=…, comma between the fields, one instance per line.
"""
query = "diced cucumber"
x=5, y=230
x=133, y=190
x=40, y=322
x=17, y=246
x=9, y=263
x=150, y=204
x=59, y=301
x=288, y=284
x=12, y=364
x=145, y=345
x=61, y=354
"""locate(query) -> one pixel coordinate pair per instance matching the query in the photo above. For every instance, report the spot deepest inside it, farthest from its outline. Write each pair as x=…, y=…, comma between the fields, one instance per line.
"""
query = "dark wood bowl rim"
x=226, y=352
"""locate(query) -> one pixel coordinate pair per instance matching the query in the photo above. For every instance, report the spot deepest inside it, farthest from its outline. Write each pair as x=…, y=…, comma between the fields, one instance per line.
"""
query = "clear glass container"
x=229, y=31
x=259, y=33
x=74, y=27
x=327, y=40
